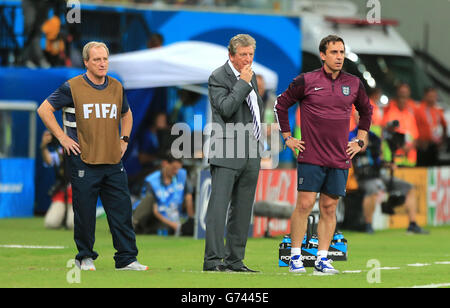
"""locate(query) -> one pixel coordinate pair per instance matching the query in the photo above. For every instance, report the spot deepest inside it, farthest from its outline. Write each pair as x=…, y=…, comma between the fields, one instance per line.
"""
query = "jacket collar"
x=231, y=70
x=328, y=75
x=233, y=73
x=228, y=69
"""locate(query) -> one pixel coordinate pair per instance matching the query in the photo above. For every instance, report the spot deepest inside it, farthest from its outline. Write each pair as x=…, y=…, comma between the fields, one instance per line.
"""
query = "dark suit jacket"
x=232, y=141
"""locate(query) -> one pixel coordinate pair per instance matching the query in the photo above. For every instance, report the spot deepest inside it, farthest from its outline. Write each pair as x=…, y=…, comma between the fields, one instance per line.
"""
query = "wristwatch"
x=125, y=138
x=360, y=142
x=285, y=140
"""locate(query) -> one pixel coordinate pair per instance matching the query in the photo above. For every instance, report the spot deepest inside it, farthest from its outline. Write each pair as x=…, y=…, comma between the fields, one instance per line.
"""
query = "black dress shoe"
x=244, y=269
x=217, y=268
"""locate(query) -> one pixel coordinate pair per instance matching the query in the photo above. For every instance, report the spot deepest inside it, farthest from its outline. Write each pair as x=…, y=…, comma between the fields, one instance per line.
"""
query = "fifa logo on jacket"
x=100, y=111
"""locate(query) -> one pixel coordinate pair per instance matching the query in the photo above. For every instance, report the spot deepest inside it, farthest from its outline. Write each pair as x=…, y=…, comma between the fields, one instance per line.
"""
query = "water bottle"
x=313, y=242
x=163, y=232
x=284, y=251
x=338, y=238
x=286, y=242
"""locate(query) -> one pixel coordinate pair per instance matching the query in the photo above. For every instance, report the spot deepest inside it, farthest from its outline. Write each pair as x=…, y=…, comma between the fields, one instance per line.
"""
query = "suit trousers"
x=232, y=190
x=111, y=184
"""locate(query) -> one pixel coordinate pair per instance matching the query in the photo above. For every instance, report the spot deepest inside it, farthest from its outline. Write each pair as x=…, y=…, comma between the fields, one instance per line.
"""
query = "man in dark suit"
x=234, y=156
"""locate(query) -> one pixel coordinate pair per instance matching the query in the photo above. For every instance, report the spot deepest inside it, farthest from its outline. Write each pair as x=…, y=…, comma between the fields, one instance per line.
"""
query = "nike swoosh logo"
x=317, y=89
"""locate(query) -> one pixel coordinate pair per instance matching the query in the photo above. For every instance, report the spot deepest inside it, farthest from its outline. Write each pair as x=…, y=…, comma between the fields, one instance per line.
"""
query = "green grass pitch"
x=404, y=261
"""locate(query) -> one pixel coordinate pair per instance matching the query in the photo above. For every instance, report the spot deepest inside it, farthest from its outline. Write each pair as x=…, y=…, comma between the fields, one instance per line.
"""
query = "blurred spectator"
x=370, y=198
x=166, y=200
x=155, y=40
x=375, y=184
x=268, y=98
x=269, y=119
x=352, y=119
x=403, y=94
x=152, y=141
x=183, y=110
x=432, y=129
x=35, y=12
x=402, y=110
x=73, y=51
x=144, y=154
x=54, y=45
x=52, y=28
x=60, y=212
x=377, y=114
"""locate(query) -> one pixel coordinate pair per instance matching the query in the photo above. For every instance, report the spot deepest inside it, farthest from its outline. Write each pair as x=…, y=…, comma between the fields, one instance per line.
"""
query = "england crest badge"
x=80, y=173
x=346, y=90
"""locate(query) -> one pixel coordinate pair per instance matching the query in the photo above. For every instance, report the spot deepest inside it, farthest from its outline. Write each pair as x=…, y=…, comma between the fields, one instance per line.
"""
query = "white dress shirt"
x=252, y=96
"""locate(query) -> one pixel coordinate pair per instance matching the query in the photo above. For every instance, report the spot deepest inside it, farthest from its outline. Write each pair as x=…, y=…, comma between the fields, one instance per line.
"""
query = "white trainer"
x=134, y=266
x=324, y=267
x=87, y=264
x=296, y=265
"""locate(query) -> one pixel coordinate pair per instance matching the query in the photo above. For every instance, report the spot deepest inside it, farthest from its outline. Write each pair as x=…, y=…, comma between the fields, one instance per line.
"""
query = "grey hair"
x=242, y=40
x=87, y=48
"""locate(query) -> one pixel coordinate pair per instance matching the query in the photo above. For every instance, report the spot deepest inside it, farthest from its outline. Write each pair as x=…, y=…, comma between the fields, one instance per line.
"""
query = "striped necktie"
x=256, y=126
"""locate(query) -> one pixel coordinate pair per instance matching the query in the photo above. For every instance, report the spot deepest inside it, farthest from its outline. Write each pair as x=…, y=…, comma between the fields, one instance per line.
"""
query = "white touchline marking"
x=32, y=247
x=388, y=268
x=351, y=272
x=419, y=264
x=442, y=262
x=434, y=285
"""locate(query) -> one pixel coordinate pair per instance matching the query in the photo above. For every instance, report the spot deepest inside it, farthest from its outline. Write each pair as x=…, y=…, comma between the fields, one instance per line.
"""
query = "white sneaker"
x=324, y=267
x=87, y=264
x=296, y=265
x=134, y=266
